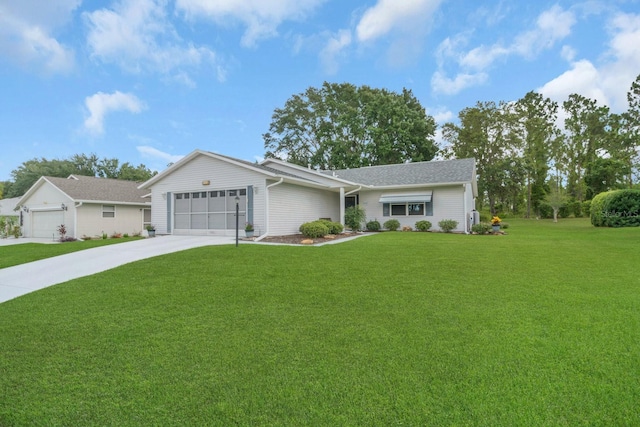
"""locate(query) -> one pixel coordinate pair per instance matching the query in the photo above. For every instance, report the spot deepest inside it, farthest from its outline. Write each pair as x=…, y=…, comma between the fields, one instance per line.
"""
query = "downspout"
x=75, y=220
x=464, y=206
x=266, y=204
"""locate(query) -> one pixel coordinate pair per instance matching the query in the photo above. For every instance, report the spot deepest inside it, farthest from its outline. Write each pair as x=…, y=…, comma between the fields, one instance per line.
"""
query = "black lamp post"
x=237, y=218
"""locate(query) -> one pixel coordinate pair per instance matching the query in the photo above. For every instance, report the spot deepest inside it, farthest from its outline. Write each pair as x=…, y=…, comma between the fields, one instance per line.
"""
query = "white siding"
x=447, y=204
x=292, y=205
x=48, y=197
x=91, y=223
x=191, y=177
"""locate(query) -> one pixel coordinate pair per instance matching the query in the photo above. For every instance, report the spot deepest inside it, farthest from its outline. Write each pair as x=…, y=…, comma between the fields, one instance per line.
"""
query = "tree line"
x=524, y=155
x=79, y=164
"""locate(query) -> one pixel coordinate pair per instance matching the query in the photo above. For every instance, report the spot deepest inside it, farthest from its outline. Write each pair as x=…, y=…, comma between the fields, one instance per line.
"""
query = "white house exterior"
x=87, y=206
x=198, y=194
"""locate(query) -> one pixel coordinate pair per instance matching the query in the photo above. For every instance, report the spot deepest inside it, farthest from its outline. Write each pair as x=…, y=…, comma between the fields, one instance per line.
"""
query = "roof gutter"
x=266, y=204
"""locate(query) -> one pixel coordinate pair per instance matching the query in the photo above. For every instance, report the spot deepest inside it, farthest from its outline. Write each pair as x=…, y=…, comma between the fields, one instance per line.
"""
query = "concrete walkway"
x=22, y=279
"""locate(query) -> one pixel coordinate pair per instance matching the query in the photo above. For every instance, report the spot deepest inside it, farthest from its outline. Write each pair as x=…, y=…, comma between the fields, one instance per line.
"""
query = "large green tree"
x=341, y=126
x=586, y=133
x=536, y=121
x=486, y=132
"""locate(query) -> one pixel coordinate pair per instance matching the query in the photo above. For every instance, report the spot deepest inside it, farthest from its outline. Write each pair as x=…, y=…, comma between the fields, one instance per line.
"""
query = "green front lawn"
x=23, y=253
x=539, y=327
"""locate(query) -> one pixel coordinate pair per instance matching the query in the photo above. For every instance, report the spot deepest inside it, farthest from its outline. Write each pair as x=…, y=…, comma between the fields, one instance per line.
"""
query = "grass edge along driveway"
x=539, y=327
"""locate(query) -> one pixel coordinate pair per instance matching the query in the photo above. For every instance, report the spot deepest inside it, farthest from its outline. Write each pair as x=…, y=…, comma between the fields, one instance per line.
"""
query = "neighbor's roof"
x=434, y=172
x=89, y=188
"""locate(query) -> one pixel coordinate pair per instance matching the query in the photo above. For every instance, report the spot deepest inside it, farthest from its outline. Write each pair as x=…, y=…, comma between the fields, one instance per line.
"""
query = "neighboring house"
x=198, y=194
x=8, y=207
x=86, y=205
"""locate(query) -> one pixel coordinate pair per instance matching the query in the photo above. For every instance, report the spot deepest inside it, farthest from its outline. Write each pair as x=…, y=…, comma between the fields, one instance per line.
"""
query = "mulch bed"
x=296, y=239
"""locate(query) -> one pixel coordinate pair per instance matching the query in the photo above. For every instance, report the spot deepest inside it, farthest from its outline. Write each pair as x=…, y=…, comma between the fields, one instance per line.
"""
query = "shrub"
x=373, y=225
x=586, y=208
x=575, y=207
x=481, y=228
x=62, y=230
x=447, y=225
x=597, y=208
x=392, y=224
x=354, y=216
x=620, y=208
x=314, y=229
x=423, y=225
x=334, y=227
x=504, y=225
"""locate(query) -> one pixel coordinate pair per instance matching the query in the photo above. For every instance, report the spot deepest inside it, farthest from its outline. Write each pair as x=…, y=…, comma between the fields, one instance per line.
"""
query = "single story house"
x=86, y=205
x=198, y=194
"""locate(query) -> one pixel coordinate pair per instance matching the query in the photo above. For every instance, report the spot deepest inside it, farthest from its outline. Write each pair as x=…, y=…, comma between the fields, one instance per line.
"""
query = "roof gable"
x=266, y=170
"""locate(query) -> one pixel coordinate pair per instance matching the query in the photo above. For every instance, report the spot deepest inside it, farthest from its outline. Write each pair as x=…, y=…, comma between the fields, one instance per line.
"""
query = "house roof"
x=433, y=172
x=91, y=189
x=266, y=170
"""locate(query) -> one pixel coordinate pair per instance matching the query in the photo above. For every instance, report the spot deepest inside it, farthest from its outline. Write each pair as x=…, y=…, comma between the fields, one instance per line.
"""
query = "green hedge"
x=314, y=229
x=617, y=208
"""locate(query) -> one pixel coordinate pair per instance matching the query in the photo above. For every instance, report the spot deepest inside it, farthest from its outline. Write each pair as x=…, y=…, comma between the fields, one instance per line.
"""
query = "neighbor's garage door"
x=46, y=223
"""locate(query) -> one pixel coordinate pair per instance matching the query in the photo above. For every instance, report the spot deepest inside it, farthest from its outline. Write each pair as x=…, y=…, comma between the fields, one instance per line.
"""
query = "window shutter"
x=168, y=212
x=385, y=209
x=250, y=204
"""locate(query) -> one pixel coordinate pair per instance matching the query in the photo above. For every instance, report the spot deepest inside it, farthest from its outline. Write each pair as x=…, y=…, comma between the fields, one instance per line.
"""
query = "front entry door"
x=350, y=201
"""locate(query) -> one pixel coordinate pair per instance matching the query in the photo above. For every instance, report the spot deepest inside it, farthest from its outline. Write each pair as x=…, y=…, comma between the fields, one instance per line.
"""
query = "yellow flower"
x=495, y=220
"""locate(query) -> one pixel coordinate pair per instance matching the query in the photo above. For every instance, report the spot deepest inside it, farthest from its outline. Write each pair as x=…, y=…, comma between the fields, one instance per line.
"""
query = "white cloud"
x=137, y=36
x=334, y=49
x=441, y=115
x=101, y=104
x=152, y=153
x=482, y=57
x=26, y=34
x=582, y=78
x=389, y=15
x=261, y=17
x=608, y=82
x=551, y=26
x=623, y=56
x=443, y=84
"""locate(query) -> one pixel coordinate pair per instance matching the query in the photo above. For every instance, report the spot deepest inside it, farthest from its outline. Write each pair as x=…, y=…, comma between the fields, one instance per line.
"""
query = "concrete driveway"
x=25, y=278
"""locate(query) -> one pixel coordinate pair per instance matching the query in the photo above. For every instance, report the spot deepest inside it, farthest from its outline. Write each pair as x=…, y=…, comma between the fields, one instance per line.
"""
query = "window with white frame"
x=108, y=211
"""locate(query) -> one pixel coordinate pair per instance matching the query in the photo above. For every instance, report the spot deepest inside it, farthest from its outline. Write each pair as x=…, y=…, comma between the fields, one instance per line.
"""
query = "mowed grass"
x=539, y=327
x=22, y=253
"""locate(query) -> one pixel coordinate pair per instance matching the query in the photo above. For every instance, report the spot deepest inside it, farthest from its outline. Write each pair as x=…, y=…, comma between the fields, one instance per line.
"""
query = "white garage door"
x=46, y=223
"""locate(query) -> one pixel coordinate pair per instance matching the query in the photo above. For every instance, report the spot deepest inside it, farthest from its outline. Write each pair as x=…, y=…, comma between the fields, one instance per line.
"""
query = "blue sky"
x=148, y=81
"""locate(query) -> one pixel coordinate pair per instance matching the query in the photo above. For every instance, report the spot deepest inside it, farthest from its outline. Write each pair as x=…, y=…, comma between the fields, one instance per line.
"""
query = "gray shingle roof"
x=434, y=172
x=88, y=188
x=263, y=167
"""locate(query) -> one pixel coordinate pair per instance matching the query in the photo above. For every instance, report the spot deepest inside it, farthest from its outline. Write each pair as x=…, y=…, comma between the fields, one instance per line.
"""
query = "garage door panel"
x=45, y=224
